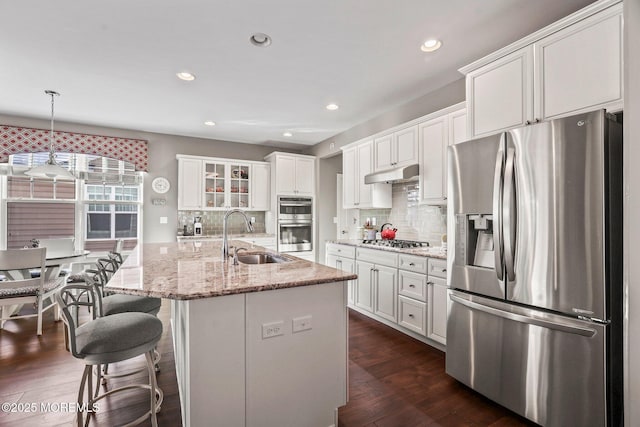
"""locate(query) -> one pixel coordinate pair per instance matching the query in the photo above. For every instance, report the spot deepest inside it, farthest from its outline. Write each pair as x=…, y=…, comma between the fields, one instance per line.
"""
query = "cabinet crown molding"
x=218, y=159
x=540, y=34
x=405, y=125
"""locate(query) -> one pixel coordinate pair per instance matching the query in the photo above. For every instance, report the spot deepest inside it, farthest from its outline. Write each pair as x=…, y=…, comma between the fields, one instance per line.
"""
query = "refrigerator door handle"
x=498, y=241
x=509, y=214
x=586, y=332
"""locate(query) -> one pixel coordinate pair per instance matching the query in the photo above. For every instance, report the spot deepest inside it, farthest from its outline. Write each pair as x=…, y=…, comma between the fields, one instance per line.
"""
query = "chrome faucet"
x=225, y=239
x=235, y=254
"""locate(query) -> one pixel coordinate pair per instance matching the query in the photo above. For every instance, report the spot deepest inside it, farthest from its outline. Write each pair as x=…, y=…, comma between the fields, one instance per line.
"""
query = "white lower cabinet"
x=407, y=292
x=437, y=325
x=364, y=287
x=344, y=258
x=385, y=288
x=412, y=315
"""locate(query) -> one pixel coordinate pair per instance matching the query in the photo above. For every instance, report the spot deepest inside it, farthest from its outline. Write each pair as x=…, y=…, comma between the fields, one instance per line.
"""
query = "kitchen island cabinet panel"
x=207, y=347
x=296, y=370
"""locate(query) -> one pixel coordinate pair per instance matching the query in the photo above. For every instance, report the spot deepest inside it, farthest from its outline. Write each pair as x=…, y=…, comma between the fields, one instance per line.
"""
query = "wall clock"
x=160, y=185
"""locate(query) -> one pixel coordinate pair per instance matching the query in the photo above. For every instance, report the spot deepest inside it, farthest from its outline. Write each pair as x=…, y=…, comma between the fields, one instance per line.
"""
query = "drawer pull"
x=411, y=315
x=412, y=286
x=411, y=264
x=430, y=283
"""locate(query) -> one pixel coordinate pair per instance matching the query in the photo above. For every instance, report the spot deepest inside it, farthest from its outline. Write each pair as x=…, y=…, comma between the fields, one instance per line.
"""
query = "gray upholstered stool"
x=120, y=303
x=106, y=340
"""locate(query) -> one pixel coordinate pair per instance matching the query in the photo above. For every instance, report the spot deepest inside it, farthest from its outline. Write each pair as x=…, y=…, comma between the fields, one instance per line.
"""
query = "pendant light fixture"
x=51, y=169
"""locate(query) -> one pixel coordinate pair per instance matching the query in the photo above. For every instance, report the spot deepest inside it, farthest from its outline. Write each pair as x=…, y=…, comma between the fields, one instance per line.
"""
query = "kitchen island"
x=255, y=345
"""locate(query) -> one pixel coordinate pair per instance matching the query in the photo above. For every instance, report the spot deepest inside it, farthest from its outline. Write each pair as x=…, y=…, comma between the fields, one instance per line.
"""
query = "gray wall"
x=327, y=204
x=434, y=101
x=162, y=162
x=632, y=209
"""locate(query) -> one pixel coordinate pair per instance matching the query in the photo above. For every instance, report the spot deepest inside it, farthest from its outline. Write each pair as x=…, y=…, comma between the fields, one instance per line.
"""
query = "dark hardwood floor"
x=394, y=381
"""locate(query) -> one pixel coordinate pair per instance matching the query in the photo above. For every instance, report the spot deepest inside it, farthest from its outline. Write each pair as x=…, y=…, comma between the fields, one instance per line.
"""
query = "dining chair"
x=63, y=245
x=18, y=287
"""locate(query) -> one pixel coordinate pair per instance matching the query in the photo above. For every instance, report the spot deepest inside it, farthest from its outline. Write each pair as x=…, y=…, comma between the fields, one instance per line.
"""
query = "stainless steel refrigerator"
x=535, y=319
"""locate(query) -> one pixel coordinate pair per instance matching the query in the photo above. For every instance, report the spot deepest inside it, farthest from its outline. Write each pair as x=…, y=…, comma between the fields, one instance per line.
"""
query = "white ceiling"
x=114, y=62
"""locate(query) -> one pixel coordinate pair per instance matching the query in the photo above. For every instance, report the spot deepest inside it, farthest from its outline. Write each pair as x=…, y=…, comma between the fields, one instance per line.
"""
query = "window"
x=117, y=219
x=99, y=207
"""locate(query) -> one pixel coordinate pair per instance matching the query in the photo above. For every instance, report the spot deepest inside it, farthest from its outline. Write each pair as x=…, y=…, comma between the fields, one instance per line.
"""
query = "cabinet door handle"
x=411, y=315
x=412, y=286
x=430, y=283
x=528, y=122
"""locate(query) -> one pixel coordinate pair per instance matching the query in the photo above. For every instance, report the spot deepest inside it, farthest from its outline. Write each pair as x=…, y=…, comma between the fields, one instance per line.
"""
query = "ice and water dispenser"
x=474, y=240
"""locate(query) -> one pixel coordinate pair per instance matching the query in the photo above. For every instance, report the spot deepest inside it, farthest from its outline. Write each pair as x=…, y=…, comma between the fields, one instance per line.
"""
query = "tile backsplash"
x=212, y=222
x=413, y=221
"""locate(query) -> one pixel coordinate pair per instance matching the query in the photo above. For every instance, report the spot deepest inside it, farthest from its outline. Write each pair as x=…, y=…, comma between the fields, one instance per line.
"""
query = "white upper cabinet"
x=580, y=68
x=293, y=174
x=349, y=178
x=435, y=136
x=406, y=146
x=458, y=126
x=383, y=147
x=208, y=183
x=190, y=181
x=357, y=161
x=396, y=149
x=571, y=66
x=500, y=94
x=260, y=188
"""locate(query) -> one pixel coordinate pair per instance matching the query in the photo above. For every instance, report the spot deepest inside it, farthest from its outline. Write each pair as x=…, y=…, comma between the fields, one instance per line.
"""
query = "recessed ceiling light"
x=260, y=40
x=431, y=45
x=332, y=107
x=183, y=75
x=287, y=134
x=210, y=123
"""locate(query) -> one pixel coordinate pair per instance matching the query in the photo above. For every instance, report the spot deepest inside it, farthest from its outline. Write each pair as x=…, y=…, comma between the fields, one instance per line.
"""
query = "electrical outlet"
x=301, y=323
x=253, y=220
x=163, y=220
x=273, y=329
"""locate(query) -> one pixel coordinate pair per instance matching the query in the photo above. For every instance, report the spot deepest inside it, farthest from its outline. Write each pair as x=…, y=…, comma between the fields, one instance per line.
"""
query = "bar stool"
x=120, y=303
x=109, y=339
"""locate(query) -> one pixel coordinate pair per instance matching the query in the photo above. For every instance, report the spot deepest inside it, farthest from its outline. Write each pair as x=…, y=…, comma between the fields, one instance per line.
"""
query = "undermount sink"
x=261, y=258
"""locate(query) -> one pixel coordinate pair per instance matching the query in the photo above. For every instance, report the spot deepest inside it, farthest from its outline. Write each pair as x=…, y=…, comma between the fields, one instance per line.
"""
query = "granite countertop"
x=247, y=236
x=193, y=270
x=430, y=251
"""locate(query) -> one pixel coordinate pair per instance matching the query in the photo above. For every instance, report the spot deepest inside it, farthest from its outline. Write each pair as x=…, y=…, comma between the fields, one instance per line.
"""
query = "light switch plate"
x=301, y=323
x=164, y=220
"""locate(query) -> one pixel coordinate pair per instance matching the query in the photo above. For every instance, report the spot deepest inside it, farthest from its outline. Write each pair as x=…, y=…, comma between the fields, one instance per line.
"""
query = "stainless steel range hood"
x=400, y=174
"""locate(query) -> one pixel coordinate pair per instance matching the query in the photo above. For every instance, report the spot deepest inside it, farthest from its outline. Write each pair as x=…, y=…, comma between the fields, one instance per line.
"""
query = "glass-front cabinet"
x=226, y=185
x=210, y=183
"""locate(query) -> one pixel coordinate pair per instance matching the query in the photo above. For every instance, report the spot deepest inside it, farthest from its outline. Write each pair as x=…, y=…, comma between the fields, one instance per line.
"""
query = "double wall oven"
x=295, y=224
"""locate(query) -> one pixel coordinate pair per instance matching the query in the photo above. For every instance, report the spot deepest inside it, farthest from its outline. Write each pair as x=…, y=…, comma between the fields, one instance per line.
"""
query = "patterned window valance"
x=14, y=140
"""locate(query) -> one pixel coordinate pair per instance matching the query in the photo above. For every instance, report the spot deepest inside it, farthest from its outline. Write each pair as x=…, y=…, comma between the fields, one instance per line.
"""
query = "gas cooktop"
x=396, y=243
